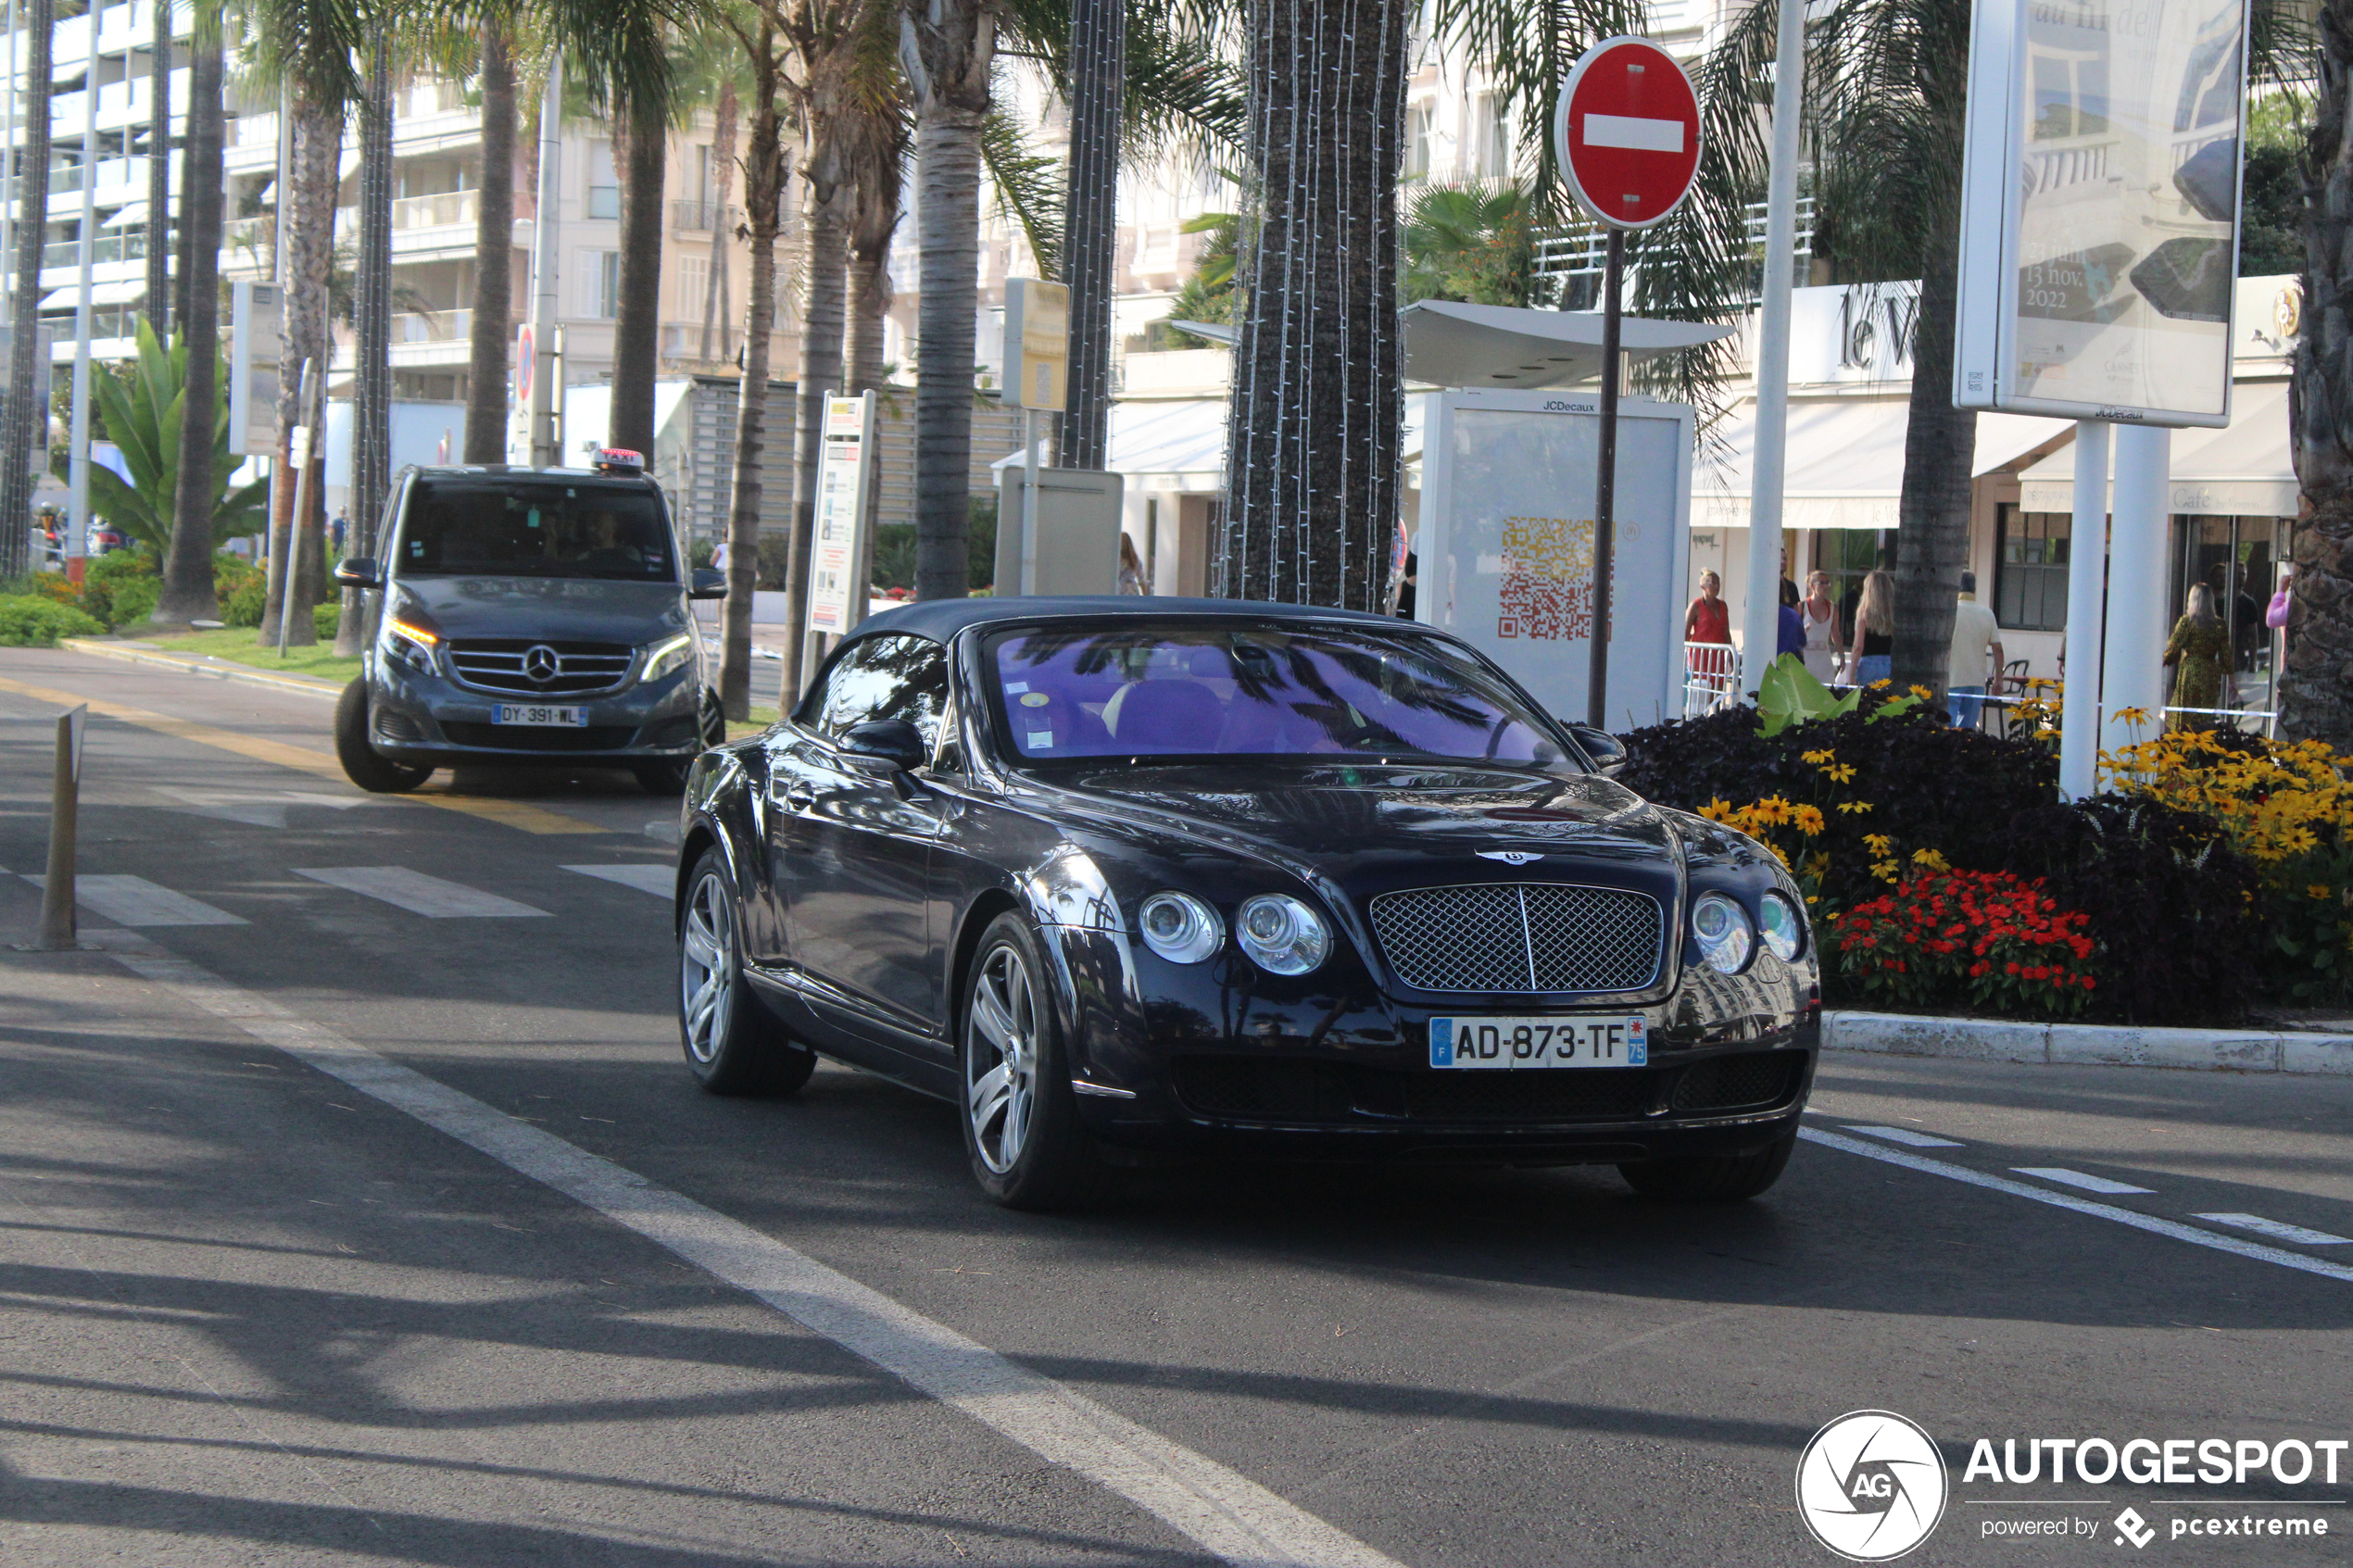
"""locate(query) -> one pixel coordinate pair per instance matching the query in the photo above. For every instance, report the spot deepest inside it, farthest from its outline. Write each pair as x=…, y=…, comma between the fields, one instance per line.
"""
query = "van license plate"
x=541, y=717
x=1539, y=1042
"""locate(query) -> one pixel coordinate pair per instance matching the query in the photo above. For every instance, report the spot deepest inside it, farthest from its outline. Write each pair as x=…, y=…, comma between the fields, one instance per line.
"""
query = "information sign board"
x=837, y=548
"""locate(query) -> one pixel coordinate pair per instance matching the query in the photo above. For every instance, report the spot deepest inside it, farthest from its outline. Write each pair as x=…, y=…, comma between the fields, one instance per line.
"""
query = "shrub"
x=1986, y=939
x=32, y=620
x=121, y=588
x=243, y=604
x=131, y=601
x=325, y=618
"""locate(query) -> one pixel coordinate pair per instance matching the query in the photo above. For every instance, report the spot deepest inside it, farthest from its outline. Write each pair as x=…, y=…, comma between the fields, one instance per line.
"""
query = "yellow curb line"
x=514, y=813
x=222, y=670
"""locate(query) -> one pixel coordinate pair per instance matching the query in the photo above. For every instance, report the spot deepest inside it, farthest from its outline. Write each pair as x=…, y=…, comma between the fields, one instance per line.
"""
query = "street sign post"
x=838, y=554
x=1627, y=135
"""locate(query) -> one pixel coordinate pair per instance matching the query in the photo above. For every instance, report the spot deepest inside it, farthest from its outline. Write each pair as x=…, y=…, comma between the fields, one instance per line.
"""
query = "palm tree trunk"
x=159, y=173
x=27, y=385
x=371, y=392
x=764, y=176
x=2316, y=689
x=947, y=50
x=187, y=569
x=722, y=167
x=875, y=218
x=297, y=541
x=825, y=203
x=494, y=255
x=1312, y=439
x=636, y=331
x=1932, y=517
x=1090, y=218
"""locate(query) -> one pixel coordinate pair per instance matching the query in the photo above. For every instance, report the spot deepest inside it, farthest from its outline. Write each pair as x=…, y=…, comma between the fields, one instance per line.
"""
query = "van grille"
x=1521, y=937
x=501, y=664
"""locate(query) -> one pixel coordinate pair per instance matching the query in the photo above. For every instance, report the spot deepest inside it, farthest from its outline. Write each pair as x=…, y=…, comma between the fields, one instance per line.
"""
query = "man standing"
x=1975, y=633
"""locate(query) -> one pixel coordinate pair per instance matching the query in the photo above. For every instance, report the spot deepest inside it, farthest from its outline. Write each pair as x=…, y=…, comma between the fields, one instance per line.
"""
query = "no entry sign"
x=1626, y=132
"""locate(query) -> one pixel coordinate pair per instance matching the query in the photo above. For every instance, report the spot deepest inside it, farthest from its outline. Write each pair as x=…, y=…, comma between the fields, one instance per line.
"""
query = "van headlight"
x=676, y=653
x=410, y=638
x=1725, y=937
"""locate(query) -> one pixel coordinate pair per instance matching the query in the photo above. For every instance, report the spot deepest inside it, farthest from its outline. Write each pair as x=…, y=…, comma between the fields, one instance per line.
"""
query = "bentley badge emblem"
x=1512, y=857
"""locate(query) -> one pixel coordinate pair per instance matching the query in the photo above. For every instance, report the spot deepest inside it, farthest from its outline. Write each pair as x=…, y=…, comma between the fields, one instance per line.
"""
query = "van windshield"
x=490, y=528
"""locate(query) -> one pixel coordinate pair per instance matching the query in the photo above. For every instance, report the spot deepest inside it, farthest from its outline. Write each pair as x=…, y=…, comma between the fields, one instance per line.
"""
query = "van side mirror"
x=707, y=583
x=1608, y=752
x=358, y=571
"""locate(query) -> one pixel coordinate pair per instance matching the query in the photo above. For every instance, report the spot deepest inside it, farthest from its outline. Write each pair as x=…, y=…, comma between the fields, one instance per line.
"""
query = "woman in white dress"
x=1823, y=644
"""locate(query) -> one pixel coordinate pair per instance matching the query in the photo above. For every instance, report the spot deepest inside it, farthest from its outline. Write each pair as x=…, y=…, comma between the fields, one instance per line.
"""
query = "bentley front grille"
x=1523, y=936
x=526, y=667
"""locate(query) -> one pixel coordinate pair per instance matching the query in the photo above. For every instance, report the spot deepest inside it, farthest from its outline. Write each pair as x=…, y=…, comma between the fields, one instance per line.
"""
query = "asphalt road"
x=267, y=1298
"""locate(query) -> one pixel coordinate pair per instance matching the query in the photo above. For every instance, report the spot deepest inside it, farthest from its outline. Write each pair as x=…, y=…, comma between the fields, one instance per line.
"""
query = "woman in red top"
x=1708, y=620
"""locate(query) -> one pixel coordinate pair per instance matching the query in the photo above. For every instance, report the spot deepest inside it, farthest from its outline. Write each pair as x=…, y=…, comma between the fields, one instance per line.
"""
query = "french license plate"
x=541, y=717
x=1539, y=1042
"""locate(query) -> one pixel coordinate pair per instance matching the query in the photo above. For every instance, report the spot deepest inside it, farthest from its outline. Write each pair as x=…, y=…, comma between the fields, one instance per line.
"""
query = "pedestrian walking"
x=1974, y=633
x=1707, y=643
x=1791, y=638
x=1131, y=571
x=1875, y=629
x=1824, y=642
x=335, y=531
x=2199, y=652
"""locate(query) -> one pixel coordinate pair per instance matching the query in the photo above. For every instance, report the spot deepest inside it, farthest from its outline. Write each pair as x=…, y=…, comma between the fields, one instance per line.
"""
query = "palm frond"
x=1026, y=186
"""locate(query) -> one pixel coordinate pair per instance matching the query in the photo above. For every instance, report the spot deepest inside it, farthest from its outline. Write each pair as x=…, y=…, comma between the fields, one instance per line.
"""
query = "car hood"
x=559, y=609
x=1368, y=825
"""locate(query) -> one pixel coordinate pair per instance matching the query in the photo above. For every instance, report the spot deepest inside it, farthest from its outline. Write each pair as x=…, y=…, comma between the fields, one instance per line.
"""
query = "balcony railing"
x=442, y=326
x=701, y=216
x=104, y=247
x=1582, y=252
x=442, y=211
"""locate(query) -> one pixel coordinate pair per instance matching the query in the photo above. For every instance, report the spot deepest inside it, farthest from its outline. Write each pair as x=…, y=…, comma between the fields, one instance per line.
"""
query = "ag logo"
x=1870, y=1486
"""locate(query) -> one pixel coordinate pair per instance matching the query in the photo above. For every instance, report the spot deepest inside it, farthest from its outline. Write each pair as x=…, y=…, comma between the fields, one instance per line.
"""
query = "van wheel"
x=362, y=763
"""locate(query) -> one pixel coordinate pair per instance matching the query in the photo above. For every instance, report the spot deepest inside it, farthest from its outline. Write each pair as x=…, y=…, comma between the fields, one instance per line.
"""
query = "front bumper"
x=430, y=719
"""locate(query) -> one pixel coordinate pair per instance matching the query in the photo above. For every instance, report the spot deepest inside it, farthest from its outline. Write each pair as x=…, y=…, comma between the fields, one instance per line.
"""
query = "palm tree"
x=159, y=168
x=1312, y=435
x=372, y=330
x=2316, y=691
x=28, y=393
x=1471, y=243
x=1091, y=217
x=493, y=301
x=876, y=139
x=187, y=568
x=142, y=411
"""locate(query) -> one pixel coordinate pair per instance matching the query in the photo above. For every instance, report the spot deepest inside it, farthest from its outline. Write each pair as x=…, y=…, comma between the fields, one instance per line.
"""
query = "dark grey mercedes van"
x=529, y=615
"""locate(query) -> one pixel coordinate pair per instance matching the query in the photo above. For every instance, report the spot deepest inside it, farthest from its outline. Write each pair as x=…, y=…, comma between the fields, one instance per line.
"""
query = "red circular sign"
x=1626, y=132
x=526, y=362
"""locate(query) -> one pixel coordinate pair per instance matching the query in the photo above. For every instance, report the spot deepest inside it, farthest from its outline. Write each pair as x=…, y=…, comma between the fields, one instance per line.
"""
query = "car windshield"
x=1218, y=689
x=486, y=527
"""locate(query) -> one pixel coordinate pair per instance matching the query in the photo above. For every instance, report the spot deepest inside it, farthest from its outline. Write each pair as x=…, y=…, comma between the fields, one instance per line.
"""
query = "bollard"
x=58, y=933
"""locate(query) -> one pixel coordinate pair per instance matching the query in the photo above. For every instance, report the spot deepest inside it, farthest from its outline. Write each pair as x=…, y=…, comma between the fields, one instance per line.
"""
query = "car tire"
x=362, y=763
x=1027, y=1146
x=1715, y=1178
x=662, y=778
x=733, y=1045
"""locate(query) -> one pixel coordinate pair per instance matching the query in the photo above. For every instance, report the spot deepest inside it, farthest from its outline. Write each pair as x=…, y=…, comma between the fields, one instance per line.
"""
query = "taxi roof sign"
x=618, y=459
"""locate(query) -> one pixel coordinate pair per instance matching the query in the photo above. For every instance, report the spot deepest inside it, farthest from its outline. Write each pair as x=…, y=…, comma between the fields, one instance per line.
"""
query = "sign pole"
x=1761, y=619
x=2086, y=609
x=1605, y=487
x=1028, y=502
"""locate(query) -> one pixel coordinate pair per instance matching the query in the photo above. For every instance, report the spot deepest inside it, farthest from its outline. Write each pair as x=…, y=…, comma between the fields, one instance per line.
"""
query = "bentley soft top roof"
x=942, y=619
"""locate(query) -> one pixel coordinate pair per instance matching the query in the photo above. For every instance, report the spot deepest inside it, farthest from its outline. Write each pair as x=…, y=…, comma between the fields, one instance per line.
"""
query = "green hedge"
x=28, y=621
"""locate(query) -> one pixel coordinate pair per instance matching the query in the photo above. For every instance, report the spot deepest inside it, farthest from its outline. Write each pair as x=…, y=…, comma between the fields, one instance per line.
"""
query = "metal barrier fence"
x=1711, y=677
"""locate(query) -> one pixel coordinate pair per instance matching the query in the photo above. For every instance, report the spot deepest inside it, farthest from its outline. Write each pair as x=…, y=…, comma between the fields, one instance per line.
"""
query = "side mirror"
x=894, y=741
x=706, y=583
x=1608, y=752
x=358, y=571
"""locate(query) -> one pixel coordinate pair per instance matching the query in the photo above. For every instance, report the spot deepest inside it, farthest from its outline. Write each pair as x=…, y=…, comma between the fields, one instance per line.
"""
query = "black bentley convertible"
x=1125, y=875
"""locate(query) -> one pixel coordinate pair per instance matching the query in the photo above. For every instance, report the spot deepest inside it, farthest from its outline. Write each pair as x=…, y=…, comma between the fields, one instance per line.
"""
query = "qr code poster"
x=1505, y=548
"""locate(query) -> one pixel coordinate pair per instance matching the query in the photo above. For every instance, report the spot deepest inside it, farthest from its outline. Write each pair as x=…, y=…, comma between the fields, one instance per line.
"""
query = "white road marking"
x=1636, y=134
x=2278, y=1230
x=417, y=892
x=133, y=901
x=2067, y=1178
x=1228, y=1515
x=261, y=809
x=2138, y=1222
x=1905, y=1135
x=662, y=881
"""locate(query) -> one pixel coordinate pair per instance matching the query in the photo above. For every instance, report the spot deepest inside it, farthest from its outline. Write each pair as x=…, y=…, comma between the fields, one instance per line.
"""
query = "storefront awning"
x=2244, y=470
x=121, y=293
x=1845, y=465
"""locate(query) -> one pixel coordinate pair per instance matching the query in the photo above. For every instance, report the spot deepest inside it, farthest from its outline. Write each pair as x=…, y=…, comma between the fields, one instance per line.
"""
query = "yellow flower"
x=1932, y=859
x=2316, y=890
x=1881, y=685
x=1879, y=842
x=1718, y=810
x=1810, y=820
x=1854, y=808
x=1772, y=808
x=1921, y=692
x=1818, y=757
x=1842, y=774
x=2134, y=716
x=1883, y=870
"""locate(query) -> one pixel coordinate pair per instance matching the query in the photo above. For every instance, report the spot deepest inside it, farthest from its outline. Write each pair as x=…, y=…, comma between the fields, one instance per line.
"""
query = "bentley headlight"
x=664, y=657
x=1179, y=927
x=1281, y=934
x=1724, y=932
x=1783, y=927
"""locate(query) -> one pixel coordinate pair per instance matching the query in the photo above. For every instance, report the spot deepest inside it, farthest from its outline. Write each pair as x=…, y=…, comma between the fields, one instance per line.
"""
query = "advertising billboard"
x=2100, y=208
x=1505, y=552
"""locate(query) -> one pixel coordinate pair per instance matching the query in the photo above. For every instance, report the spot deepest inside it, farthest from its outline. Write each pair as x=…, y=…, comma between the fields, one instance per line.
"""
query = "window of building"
x=600, y=284
x=604, y=185
x=693, y=286
x=1490, y=137
x=1418, y=130
x=2029, y=568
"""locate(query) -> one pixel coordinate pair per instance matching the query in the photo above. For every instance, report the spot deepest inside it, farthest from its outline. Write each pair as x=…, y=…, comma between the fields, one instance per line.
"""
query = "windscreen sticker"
x=1041, y=740
x=1014, y=687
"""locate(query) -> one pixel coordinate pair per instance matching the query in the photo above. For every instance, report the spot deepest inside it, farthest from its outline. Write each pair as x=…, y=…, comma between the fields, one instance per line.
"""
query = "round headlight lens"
x=1783, y=927
x=1281, y=934
x=1724, y=932
x=1179, y=927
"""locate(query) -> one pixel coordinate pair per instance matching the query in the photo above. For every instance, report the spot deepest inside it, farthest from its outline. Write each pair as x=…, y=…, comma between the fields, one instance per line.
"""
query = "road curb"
x=220, y=668
x=2089, y=1045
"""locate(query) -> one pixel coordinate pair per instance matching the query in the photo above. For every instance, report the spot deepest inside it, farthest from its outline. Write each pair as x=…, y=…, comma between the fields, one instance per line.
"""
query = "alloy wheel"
x=1001, y=1059
x=706, y=968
